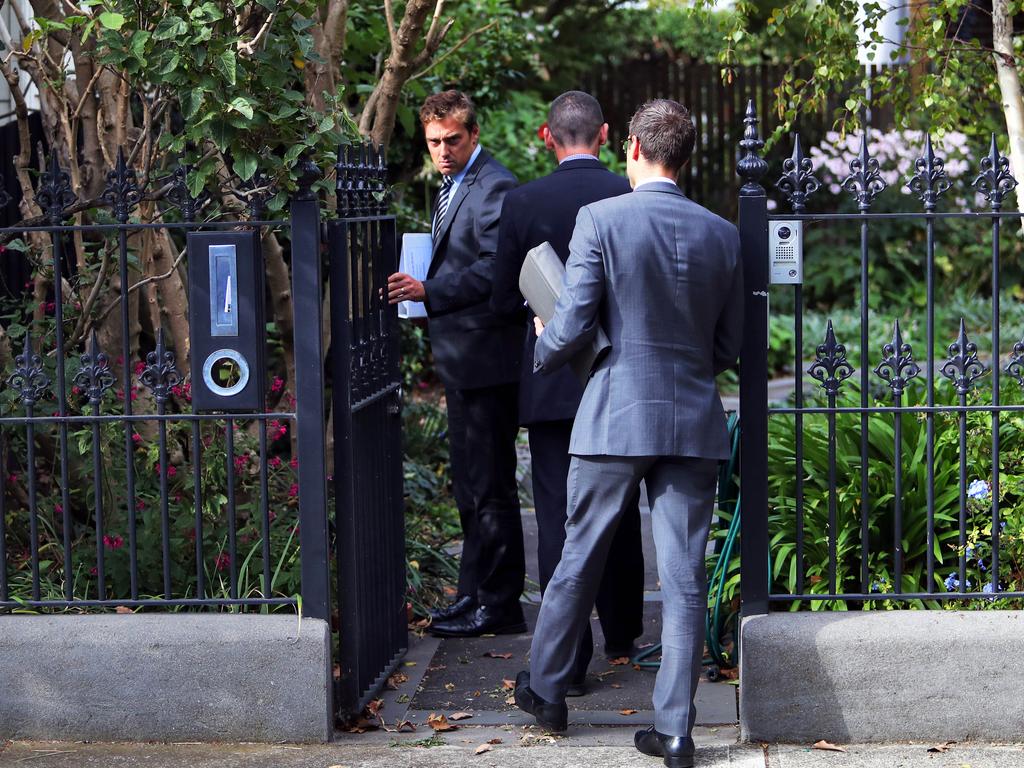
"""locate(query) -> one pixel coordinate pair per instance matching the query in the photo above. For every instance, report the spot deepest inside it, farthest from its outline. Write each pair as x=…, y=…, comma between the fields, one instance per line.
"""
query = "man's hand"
x=403, y=287
x=538, y=326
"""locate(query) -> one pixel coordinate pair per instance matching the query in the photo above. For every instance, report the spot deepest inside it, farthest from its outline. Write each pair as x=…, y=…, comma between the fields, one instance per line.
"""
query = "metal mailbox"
x=226, y=314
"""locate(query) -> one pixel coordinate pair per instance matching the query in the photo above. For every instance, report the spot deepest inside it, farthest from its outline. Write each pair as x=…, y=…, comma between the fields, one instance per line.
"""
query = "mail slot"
x=226, y=316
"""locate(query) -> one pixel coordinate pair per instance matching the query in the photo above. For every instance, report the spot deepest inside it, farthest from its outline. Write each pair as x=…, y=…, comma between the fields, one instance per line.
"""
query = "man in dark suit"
x=662, y=276
x=477, y=356
x=545, y=210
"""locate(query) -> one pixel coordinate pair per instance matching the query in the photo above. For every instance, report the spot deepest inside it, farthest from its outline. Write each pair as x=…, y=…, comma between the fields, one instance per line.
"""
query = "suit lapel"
x=455, y=202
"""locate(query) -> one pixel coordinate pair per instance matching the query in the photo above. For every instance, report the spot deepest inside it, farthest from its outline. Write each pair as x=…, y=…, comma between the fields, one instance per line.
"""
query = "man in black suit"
x=477, y=356
x=541, y=210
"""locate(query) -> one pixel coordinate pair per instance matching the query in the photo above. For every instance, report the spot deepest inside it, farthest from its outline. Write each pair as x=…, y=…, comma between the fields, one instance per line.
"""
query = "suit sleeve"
x=472, y=285
x=729, y=328
x=506, y=300
x=576, y=317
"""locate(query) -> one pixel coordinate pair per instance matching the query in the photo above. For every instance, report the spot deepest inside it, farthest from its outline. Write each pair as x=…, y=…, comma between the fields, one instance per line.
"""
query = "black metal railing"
x=82, y=521
x=877, y=536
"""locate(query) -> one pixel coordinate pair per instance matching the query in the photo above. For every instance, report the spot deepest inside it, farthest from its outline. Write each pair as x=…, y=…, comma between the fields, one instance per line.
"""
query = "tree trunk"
x=1009, y=89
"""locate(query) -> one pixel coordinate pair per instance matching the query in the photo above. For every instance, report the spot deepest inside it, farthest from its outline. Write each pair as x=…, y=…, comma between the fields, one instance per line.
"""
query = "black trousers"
x=482, y=428
x=620, y=598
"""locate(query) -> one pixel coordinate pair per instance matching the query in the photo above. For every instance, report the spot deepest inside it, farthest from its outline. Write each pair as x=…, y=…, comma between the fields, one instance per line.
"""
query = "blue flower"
x=978, y=489
x=953, y=583
x=988, y=588
x=969, y=552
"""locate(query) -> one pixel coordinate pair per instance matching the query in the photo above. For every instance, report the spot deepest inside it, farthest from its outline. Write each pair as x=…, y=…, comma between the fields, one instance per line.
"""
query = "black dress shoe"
x=676, y=750
x=552, y=716
x=461, y=605
x=485, y=620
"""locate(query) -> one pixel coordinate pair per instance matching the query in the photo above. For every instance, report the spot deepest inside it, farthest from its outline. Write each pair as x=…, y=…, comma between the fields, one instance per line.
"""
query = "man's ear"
x=602, y=135
x=636, y=148
x=549, y=139
x=474, y=135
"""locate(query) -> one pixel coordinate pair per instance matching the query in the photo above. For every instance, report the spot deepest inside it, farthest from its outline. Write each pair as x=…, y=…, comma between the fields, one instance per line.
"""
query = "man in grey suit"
x=662, y=276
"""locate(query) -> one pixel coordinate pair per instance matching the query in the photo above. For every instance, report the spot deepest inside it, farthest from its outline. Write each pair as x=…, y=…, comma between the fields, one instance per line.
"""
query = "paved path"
x=512, y=747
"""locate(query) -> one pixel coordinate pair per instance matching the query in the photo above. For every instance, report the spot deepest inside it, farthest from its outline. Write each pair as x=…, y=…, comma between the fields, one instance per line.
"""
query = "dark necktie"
x=442, y=204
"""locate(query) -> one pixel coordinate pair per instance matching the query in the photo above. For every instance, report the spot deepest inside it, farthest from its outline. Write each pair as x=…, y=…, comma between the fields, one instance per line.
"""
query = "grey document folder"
x=540, y=282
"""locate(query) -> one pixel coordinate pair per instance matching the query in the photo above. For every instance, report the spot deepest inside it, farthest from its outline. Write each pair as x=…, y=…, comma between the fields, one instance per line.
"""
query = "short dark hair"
x=665, y=132
x=575, y=119
x=446, y=104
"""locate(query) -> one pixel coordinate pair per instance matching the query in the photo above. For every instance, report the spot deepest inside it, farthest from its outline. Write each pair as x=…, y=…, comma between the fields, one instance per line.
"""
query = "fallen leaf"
x=602, y=675
x=437, y=668
x=422, y=623
x=616, y=685
x=511, y=700
x=123, y=609
x=828, y=746
x=396, y=680
x=449, y=687
x=405, y=725
x=362, y=725
x=482, y=748
x=409, y=664
x=459, y=716
x=508, y=685
x=496, y=655
x=620, y=661
x=494, y=741
x=439, y=722
x=374, y=707
x=627, y=712
x=637, y=667
x=941, y=747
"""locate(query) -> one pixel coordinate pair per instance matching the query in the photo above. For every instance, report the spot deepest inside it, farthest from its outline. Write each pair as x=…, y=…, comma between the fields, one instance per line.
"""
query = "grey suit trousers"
x=681, y=492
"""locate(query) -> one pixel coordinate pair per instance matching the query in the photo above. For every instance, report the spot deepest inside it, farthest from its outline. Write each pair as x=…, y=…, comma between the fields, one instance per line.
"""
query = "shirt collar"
x=578, y=156
x=654, y=180
x=458, y=177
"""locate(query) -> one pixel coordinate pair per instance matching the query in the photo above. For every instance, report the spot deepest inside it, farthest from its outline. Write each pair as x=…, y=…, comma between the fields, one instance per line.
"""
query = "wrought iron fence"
x=858, y=509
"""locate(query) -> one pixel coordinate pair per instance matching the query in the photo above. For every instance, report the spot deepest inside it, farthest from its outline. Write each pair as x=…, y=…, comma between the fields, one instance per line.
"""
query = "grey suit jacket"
x=662, y=276
x=472, y=346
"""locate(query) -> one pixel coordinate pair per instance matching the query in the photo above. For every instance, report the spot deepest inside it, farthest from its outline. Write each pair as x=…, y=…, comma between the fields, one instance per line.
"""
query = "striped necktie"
x=442, y=204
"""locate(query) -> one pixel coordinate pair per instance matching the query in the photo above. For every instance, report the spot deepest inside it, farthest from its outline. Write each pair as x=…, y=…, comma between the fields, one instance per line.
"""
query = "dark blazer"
x=662, y=276
x=545, y=209
x=472, y=346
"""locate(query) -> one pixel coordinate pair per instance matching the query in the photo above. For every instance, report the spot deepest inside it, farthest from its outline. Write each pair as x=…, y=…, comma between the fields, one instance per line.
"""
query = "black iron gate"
x=369, y=517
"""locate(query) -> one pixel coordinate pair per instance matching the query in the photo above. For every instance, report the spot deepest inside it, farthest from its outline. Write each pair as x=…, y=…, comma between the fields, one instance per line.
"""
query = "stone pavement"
x=509, y=747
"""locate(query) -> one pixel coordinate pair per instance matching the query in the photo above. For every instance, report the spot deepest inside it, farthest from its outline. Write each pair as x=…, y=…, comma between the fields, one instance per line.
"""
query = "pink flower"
x=294, y=463
x=275, y=462
x=113, y=542
x=241, y=462
x=140, y=504
x=277, y=384
x=76, y=391
x=271, y=515
x=136, y=438
x=223, y=561
x=93, y=571
x=58, y=508
x=172, y=471
x=12, y=478
x=139, y=368
x=294, y=490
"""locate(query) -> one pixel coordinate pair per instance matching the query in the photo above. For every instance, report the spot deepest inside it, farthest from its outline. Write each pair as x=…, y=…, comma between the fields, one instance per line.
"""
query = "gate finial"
x=931, y=179
x=751, y=167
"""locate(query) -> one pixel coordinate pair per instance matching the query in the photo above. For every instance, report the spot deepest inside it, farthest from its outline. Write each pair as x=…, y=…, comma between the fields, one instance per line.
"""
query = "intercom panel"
x=786, y=252
x=227, y=323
